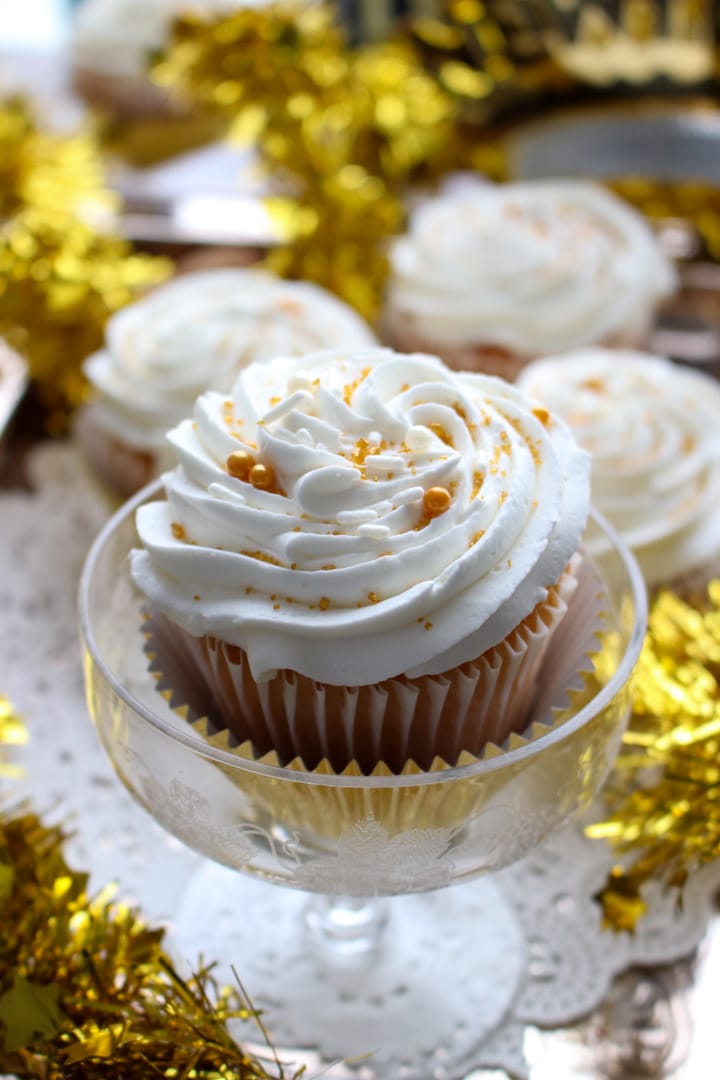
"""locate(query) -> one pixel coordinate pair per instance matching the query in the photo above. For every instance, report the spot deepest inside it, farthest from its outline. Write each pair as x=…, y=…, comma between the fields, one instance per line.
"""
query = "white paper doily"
x=44, y=536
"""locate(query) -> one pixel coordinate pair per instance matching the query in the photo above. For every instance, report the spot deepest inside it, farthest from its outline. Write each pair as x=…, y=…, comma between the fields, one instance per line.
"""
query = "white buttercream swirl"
x=533, y=267
x=194, y=334
x=339, y=573
x=653, y=430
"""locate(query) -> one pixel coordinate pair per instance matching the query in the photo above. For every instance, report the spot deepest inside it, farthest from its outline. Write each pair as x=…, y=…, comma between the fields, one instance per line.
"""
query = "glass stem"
x=347, y=926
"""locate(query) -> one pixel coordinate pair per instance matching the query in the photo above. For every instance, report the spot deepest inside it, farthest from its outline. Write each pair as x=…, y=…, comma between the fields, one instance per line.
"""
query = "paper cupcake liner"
x=486, y=358
x=492, y=359
x=566, y=681
x=395, y=721
x=121, y=467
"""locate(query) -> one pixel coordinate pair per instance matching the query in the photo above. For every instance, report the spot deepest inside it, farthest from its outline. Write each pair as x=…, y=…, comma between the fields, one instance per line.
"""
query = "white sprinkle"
x=374, y=532
x=300, y=397
x=382, y=463
x=410, y=495
x=356, y=517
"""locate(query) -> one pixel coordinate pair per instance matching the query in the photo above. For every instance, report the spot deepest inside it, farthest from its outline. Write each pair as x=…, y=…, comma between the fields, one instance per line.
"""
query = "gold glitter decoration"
x=342, y=132
x=663, y=798
x=60, y=275
x=86, y=990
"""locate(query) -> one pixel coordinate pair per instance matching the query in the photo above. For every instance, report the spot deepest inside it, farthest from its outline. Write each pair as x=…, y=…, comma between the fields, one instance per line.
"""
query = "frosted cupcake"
x=491, y=276
x=190, y=335
x=363, y=556
x=653, y=430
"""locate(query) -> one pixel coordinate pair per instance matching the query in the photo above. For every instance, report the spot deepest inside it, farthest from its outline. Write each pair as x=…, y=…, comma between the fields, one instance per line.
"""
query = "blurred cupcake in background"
x=652, y=428
x=491, y=276
x=192, y=335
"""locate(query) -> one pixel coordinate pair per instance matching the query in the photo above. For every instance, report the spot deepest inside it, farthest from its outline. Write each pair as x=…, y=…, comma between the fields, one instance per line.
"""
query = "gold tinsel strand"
x=342, y=132
x=86, y=990
x=663, y=798
x=13, y=733
x=61, y=274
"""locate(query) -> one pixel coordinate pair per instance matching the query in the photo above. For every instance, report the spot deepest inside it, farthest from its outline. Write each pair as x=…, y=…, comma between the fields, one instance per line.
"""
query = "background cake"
x=489, y=276
x=653, y=430
x=190, y=335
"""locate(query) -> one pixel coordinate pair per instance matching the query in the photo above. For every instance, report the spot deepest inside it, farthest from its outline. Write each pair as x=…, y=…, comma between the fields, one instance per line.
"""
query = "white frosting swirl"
x=194, y=334
x=339, y=572
x=653, y=430
x=533, y=267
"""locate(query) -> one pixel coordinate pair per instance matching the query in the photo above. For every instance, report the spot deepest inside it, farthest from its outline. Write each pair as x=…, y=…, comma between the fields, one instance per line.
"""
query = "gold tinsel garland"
x=343, y=133
x=45, y=169
x=663, y=797
x=86, y=989
x=61, y=273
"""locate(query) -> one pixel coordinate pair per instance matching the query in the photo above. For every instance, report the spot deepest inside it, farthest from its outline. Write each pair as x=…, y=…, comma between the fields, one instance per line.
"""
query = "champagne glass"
x=390, y=945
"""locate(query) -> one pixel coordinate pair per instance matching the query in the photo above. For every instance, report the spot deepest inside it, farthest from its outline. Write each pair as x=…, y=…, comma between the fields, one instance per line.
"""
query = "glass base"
x=413, y=1000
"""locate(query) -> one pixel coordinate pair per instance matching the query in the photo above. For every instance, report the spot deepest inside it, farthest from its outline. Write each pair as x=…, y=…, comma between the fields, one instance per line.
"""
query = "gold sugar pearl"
x=436, y=500
x=240, y=464
x=262, y=476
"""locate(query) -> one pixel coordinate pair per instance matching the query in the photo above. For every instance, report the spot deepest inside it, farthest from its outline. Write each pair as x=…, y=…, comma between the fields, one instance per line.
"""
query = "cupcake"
x=653, y=430
x=191, y=335
x=491, y=276
x=362, y=556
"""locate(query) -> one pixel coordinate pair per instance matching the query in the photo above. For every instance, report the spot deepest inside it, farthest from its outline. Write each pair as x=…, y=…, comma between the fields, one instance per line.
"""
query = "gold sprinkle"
x=324, y=603
x=276, y=607
x=239, y=464
x=262, y=476
x=596, y=384
x=436, y=500
x=178, y=531
x=542, y=415
x=428, y=626
x=441, y=433
x=261, y=556
x=196, y=597
x=373, y=598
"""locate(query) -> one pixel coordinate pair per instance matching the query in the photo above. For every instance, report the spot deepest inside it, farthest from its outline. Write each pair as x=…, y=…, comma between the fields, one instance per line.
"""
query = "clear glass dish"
x=353, y=839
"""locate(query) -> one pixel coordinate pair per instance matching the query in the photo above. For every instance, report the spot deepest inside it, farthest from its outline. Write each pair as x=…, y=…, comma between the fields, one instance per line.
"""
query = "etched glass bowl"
x=355, y=837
